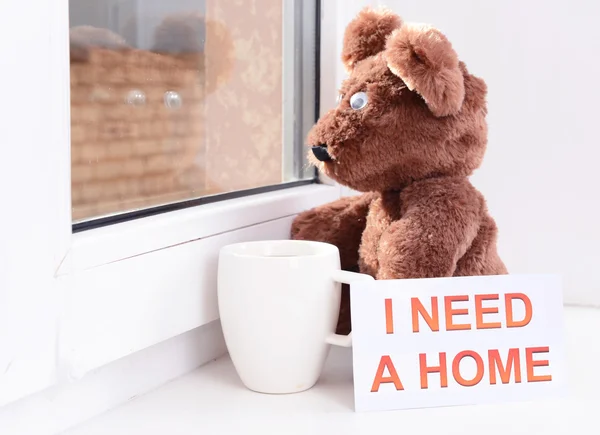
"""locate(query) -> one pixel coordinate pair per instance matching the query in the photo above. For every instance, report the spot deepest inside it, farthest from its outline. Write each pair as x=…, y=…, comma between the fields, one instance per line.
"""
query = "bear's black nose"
x=320, y=152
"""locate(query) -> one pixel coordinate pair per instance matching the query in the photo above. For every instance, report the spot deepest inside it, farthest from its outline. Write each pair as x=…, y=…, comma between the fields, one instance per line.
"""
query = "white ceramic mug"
x=279, y=303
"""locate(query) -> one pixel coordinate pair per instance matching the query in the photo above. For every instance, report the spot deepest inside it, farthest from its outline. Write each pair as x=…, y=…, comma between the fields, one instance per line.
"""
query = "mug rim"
x=323, y=249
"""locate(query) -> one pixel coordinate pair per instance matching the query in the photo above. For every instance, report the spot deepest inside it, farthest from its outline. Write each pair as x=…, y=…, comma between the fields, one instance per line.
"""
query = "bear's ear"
x=366, y=34
x=426, y=62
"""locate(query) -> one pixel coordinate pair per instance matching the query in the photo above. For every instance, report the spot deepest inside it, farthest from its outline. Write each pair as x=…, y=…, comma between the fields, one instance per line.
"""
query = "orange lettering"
x=386, y=362
x=389, y=318
x=441, y=369
x=513, y=361
x=450, y=312
x=480, y=311
x=433, y=320
x=510, y=321
x=456, y=368
x=531, y=364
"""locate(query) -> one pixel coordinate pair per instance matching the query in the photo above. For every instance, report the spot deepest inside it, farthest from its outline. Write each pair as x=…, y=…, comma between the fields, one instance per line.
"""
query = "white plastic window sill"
x=211, y=400
x=113, y=243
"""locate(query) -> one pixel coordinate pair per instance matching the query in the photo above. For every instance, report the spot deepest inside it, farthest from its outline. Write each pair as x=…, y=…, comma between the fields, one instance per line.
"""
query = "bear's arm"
x=439, y=221
x=340, y=223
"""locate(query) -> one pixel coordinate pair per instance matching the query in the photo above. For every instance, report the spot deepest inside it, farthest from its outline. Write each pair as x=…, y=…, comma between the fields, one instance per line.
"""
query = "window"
x=182, y=102
x=227, y=121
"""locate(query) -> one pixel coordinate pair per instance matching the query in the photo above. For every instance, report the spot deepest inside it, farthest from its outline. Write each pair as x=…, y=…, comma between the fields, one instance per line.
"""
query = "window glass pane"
x=180, y=99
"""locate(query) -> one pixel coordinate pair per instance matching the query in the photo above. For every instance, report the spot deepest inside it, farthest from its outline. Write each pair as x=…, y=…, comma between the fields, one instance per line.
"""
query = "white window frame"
x=71, y=303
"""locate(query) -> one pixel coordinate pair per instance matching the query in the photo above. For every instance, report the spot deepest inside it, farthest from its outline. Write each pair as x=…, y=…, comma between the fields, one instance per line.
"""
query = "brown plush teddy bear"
x=408, y=131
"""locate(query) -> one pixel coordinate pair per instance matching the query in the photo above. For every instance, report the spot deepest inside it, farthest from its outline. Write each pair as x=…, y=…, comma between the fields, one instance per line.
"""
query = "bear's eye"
x=359, y=100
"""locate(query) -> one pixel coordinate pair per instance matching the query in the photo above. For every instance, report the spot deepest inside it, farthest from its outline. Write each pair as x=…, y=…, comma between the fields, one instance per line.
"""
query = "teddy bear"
x=137, y=115
x=407, y=132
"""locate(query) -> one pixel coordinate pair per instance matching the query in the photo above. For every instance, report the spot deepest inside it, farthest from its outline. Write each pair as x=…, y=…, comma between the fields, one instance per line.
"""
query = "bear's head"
x=408, y=110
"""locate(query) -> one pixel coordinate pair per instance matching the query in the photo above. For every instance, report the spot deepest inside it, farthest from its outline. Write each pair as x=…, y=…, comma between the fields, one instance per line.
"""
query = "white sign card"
x=422, y=343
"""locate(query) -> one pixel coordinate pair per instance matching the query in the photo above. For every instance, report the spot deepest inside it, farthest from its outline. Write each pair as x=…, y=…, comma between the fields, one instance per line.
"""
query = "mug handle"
x=346, y=277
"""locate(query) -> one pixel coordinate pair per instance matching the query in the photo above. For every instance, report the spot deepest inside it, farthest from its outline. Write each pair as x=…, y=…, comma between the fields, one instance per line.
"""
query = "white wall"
x=540, y=61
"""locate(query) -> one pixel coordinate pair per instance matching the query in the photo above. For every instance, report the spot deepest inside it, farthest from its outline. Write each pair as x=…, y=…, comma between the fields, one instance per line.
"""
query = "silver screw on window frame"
x=172, y=100
x=135, y=97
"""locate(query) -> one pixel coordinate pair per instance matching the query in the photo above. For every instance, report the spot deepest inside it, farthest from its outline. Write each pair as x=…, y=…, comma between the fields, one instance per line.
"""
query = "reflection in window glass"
x=174, y=100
